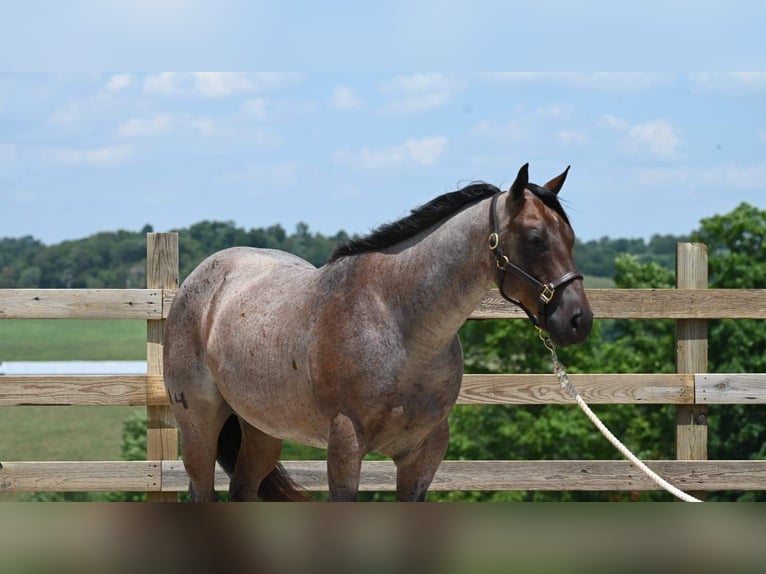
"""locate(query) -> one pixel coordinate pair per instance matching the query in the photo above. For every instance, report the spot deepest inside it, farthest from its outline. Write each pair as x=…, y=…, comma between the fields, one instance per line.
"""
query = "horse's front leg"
x=415, y=469
x=344, y=459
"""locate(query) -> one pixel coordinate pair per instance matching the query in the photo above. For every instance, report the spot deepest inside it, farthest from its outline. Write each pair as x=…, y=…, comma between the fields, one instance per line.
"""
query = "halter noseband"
x=546, y=291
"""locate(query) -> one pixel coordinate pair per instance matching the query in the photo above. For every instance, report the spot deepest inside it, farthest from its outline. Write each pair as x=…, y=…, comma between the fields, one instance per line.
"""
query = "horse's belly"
x=280, y=407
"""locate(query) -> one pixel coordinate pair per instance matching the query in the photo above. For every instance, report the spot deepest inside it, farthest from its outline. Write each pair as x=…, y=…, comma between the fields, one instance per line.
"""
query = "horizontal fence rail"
x=606, y=304
x=550, y=475
x=163, y=473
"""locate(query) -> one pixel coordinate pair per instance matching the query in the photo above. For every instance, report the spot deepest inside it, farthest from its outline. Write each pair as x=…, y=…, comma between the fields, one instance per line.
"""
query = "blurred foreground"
x=326, y=538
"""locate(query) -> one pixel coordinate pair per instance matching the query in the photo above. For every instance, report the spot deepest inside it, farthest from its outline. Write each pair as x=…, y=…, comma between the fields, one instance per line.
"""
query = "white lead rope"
x=563, y=378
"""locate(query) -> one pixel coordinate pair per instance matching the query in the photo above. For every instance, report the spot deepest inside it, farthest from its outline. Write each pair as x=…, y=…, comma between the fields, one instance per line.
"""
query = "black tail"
x=276, y=487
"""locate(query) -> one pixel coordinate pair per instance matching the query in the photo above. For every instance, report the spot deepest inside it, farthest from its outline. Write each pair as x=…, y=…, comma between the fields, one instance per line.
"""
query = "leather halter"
x=546, y=291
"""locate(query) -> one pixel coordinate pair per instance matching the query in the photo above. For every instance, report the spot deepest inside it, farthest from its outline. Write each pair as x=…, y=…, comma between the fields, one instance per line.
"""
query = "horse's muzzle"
x=570, y=324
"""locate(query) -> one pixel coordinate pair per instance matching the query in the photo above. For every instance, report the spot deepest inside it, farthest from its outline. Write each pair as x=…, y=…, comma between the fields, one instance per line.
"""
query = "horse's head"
x=533, y=242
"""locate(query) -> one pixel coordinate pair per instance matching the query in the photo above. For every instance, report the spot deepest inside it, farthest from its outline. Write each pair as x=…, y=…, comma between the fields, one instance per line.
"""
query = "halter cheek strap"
x=546, y=291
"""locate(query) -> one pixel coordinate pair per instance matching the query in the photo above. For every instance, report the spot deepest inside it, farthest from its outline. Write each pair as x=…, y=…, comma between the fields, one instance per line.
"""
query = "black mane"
x=549, y=199
x=418, y=220
x=421, y=218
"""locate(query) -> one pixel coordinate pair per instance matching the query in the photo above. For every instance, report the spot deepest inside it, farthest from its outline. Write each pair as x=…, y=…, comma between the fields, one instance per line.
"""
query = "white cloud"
x=421, y=152
x=257, y=108
x=162, y=124
x=593, y=80
x=166, y=84
x=426, y=151
x=265, y=178
x=345, y=99
x=569, y=137
x=205, y=125
x=8, y=152
x=140, y=127
x=416, y=93
x=726, y=176
x=67, y=115
x=217, y=84
x=730, y=82
x=525, y=124
x=221, y=84
x=118, y=82
x=731, y=176
x=658, y=138
x=102, y=156
x=615, y=123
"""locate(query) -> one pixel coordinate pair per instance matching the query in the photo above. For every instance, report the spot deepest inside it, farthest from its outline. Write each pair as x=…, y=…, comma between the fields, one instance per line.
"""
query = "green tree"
x=736, y=245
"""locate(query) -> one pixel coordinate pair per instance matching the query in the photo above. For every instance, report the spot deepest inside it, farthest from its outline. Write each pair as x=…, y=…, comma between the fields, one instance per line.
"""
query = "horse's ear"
x=522, y=179
x=555, y=184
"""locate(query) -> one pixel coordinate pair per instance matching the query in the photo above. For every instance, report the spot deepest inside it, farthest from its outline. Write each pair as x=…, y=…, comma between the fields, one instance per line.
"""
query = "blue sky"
x=650, y=152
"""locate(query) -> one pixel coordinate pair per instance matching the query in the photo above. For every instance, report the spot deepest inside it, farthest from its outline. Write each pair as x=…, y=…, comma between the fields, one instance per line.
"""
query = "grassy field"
x=61, y=433
x=66, y=433
x=592, y=282
x=72, y=339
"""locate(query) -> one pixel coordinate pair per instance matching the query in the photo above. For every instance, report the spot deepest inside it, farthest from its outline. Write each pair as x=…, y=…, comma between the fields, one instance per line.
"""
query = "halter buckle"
x=494, y=241
x=546, y=295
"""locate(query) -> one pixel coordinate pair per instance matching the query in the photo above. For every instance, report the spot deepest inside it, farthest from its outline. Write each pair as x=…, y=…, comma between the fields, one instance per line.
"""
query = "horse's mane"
x=425, y=216
x=419, y=219
x=550, y=200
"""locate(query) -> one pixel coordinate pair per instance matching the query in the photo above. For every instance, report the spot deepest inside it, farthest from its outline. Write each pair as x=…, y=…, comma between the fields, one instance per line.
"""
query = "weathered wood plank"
x=691, y=354
x=68, y=476
x=650, y=304
x=149, y=390
x=161, y=429
x=81, y=303
x=167, y=300
x=594, y=388
x=730, y=389
x=606, y=303
x=103, y=390
x=548, y=475
x=559, y=475
x=671, y=388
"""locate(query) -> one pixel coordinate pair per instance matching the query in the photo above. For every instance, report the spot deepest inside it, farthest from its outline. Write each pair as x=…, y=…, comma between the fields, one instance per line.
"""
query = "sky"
x=651, y=153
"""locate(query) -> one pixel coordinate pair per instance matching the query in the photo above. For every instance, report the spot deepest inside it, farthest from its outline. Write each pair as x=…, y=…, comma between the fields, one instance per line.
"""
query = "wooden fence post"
x=691, y=354
x=161, y=432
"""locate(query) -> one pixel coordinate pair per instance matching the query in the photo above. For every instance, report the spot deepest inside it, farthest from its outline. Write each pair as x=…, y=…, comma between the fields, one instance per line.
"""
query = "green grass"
x=72, y=340
x=58, y=432
x=592, y=282
x=61, y=433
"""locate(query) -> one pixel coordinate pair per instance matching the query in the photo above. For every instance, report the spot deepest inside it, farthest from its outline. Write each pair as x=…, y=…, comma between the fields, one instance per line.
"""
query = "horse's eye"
x=535, y=239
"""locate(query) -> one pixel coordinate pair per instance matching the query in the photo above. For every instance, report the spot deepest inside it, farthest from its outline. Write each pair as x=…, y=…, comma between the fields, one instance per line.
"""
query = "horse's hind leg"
x=258, y=454
x=199, y=446
x=415, y=469
x=200, y=412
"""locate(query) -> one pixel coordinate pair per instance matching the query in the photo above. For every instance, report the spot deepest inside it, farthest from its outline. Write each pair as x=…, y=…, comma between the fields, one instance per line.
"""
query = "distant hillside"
x=118, y=259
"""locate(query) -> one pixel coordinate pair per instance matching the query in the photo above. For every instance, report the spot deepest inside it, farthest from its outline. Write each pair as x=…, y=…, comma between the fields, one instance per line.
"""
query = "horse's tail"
x=276, y=487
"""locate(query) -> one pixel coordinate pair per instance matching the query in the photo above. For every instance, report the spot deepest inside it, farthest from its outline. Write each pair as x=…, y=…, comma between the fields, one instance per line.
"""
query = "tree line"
x=117, y=259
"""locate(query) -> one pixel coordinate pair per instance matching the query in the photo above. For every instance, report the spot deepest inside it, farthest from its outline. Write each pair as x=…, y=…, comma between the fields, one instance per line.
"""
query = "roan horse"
x=361, y=354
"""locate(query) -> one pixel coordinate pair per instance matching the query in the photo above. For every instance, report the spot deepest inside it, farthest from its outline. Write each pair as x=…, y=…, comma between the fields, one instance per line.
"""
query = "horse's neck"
x=438, y=278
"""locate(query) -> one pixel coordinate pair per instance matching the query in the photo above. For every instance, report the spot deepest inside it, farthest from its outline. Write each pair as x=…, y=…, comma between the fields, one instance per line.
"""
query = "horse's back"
x=231, y=266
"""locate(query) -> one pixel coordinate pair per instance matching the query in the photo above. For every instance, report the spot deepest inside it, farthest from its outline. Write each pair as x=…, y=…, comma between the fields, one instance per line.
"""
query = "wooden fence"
x=691, y=389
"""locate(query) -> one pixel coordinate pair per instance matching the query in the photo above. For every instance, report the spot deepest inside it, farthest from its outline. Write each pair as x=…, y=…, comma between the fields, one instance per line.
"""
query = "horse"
x=362, y=354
